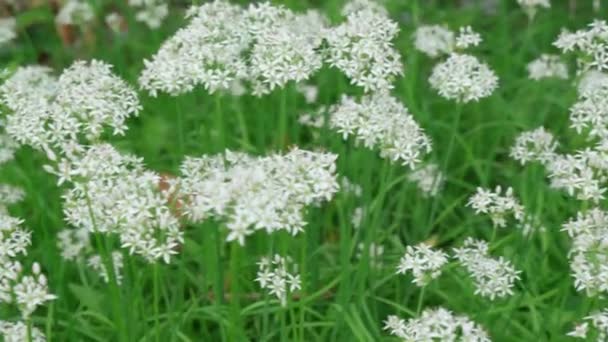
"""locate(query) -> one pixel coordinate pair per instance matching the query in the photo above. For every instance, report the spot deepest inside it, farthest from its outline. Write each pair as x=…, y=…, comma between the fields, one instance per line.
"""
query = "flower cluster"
x=493, y=278
x=7, y=30
x=589, y=45
x=113, y=193
x=532, y=6
x=96, y=263
x=379, y=120
x=434, y=40
x=436, y=325
x=588, y=254
x=18, y=332
x=353, y=6
x=428, y=178
x=424, y=262
x=547, y=66
x=26, y=291
x=279, y=276
x=362, y=48
x=579, y=174
x=264, y=44
x=590, y=112
x=55, y=114
x=73, y=243
x=496, y=205
x=590, y=81
x=150, y=12
x=537, y=145
x=599, y=322
x=255, y=193
x=463, y=78
x=75, y=12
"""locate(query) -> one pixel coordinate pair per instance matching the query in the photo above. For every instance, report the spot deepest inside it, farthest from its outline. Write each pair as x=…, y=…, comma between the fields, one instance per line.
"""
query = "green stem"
x=29, y=329
x=219, y=123
x=420, y=301
x=235, y=289
x=156, y=303
x=180, y=131
x=282, y=138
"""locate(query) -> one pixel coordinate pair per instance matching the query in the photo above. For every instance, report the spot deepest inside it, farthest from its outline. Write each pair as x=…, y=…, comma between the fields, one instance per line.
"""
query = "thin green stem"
x=235, y=289
x=156, y=303
x=420, y=300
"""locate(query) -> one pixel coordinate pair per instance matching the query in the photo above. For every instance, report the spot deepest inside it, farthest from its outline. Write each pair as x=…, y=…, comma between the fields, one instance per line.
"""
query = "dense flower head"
x=9, y=195
x=51, y=113
x=18, y=332
x=26, y=291
x=381, y=121
x=256, y=193
x=547, y=66
x=353, y=6
x=278, y=275
x=150, y=12
x=434, y=40
x=113, y=193
x=264, y=44
x=590, y=113
x=7, y=30
x=362, y=48
x=73, y=243
x=428, y=178
x=579, y=174
x=496, y=205
x=590, y=81
x=493, y=278
x=8, y=146
x=424, y=262
x=467, y=38
x=537, y=145
x=463, y=78
x=589, y=251
x=14, y=239
x=437, y=324
x=75, y=12
x=589, y=44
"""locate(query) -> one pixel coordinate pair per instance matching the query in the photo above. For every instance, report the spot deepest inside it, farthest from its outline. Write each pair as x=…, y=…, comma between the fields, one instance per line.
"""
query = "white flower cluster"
x=493, y=278
x=497, y=206
x=379, y=120
x=353, y=6
x=537, y=145
x=589, y=252
x=436, y=325
x=463, y=78
x=434, y=40
x=73, y=243
x=467, y=38
x=255, y=193
x=8, y=145
x=362, y=48
x=590, y=81
x=7, y=30
x=150, y=12
x=264, y=44
x=279, y=276
x=590, y=112
x=26, y=291
x=113, y=193
x=579, y=174
x=75, y=12
x=9, y=195
x=532, y=6
x=96, y=263
x=314, y=119
x=590, y=45
x=428, y=178
x=18, y=332
x=547, y=66
x=309, y=91
x=599, y=322
x=424, y=262
x=54, y=114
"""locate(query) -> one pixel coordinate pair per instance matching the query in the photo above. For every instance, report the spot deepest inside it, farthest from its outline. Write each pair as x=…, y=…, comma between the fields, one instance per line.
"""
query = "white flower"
x=32, y=291
x=73, y=243
x=531, y=6
x=279, y=276
x=579, y=174
x=256, y=193
x=434, y=40
x=428, y=178
x=497, y=205
x=150, y=12
x=75, y=12
x=589, y=253
x=590, y=112
x=580, y=331
x=597, y=323
x=591, y=45
x=353, y=6
x=436, y=325
x=467, y=38
x=537, y=145
x=547, y=66
x=493, y=278
x=357, y=217
x=17, y=332
x=590, y=81
x=113, y=193
x=97, y=264
x=310, y=92
x=463, y=78
x=362, y=48
x=8, y=27
x=424, y=263
x=115, y=22
x=379, y=120
x=10, y=195
x=14, y=239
